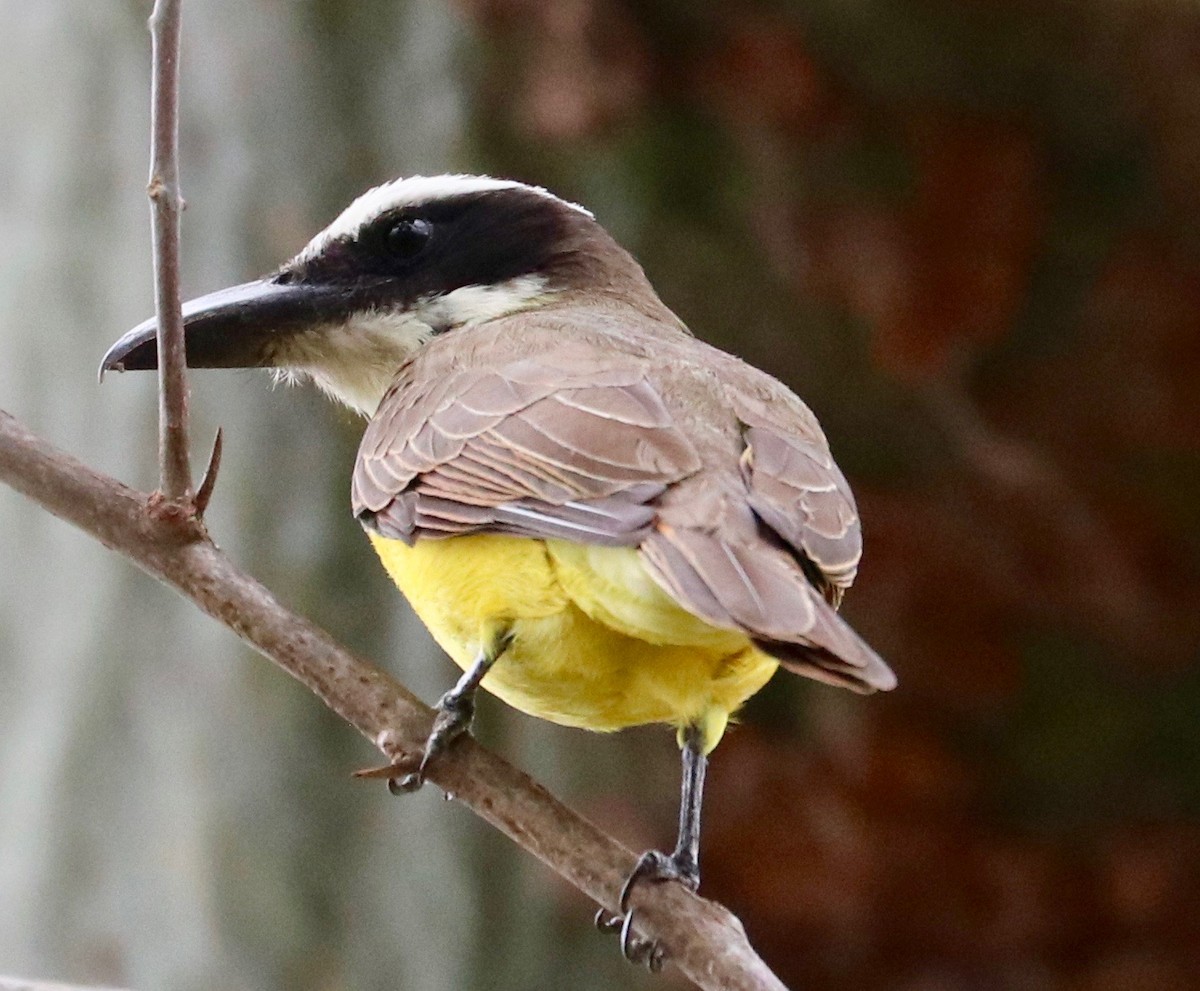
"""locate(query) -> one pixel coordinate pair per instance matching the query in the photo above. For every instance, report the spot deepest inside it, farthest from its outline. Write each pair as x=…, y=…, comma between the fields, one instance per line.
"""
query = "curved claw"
x=634, y=948
x=452, y=720
x=409, y=783
x=637, y=949
x=606, y=923
x=655, y=866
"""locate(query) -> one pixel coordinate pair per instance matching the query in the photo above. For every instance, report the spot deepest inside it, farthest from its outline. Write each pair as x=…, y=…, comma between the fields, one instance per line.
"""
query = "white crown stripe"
x=412, y=191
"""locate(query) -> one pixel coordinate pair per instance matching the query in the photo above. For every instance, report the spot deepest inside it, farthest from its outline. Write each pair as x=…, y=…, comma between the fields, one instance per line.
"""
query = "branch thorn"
x=209, y=481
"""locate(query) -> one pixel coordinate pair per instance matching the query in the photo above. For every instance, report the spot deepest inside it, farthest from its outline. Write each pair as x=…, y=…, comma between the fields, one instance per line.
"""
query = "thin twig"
x=166, y=205
x=702, y=938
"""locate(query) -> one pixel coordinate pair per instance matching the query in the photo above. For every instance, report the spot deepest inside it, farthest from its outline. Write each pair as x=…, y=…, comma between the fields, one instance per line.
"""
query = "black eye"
x=407, y=238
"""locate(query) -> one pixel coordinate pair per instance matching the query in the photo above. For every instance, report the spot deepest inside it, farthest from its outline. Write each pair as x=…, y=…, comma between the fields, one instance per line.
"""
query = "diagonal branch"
x=166, y=205
x=702, y=938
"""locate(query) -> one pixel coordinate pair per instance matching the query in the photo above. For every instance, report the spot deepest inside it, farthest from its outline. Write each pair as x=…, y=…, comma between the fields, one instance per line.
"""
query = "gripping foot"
x=634, y=948
x=683, y=865
x=454, y=714
x=653, y=867
x=454, y=711
x=657, y=867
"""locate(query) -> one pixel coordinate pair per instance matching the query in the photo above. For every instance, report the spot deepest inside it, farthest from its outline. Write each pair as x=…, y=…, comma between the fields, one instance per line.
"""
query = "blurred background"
x=968, y=234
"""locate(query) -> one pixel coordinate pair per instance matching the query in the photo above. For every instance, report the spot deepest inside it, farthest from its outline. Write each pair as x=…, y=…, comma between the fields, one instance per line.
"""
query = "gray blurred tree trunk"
x=173, y=813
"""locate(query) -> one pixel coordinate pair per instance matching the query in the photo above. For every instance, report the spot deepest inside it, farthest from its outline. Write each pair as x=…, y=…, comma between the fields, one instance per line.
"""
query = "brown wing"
x=726, y=569
x=770, y=549
x=578, y=442
x=560, y=445
x=800, y=493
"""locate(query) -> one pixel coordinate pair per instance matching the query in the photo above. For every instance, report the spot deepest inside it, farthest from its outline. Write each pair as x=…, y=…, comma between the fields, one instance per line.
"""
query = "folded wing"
x=530, y=449
x=747, y=524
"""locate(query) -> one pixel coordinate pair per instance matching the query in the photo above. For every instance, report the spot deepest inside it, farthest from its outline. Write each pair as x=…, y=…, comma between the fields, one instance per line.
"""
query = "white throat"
x=355, y=361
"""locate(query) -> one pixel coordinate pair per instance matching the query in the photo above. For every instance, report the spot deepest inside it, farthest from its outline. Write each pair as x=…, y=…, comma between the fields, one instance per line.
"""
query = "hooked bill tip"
x=116, y=366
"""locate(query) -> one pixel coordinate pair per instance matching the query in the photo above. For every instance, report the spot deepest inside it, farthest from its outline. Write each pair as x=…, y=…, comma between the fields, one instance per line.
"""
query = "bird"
x=603, y=520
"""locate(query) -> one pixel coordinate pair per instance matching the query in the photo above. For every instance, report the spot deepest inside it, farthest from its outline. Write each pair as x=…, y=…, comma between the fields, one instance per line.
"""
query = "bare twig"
x=702, y=938
x=166, y=205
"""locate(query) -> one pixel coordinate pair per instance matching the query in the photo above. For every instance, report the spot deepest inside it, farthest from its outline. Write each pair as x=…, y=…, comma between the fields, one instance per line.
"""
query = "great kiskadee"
x=601, y=519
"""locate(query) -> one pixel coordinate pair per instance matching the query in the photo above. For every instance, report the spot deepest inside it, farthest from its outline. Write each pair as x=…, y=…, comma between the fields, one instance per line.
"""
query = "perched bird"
x=601, y=519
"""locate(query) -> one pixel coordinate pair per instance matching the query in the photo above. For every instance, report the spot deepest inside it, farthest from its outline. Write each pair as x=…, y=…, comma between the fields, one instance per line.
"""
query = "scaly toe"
x=634, y=948
x=637, y=949
x=657, y=867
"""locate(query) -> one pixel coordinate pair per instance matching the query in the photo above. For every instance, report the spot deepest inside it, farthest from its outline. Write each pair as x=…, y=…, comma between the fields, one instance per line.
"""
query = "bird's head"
x=403, y=263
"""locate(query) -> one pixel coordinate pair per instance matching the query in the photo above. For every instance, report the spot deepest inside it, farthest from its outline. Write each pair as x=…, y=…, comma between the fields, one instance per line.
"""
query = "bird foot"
x=655, y=867
x=454, y=713
x=634, y=948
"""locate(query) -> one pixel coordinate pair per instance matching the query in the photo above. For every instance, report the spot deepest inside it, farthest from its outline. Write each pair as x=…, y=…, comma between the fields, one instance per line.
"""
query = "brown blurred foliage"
x=969, y=234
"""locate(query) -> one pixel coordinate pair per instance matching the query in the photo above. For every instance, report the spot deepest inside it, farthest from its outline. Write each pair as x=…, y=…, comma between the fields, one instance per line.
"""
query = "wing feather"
x=582, y=442
x=531, y=448
x=758, y=588
x=770, y=546
x=798, y=491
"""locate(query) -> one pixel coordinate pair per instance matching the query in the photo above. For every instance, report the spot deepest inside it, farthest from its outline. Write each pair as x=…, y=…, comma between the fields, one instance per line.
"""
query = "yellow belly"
x=595, y=642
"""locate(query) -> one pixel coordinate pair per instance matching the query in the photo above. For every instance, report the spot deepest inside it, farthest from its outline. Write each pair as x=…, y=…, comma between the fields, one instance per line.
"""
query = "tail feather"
x=762, y=591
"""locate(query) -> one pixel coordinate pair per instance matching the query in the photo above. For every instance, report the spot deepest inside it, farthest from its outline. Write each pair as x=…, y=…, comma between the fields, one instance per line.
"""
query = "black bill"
x=236, y=327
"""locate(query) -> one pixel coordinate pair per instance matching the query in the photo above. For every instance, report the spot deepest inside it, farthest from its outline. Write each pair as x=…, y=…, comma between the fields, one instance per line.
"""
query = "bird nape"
x=601, y=519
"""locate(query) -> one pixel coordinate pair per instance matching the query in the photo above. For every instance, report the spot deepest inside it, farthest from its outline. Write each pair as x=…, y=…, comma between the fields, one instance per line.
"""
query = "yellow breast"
x=596, y=643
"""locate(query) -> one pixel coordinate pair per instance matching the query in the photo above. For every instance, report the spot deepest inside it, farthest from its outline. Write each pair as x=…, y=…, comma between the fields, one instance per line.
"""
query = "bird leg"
x=682, y=865
x=453, y=713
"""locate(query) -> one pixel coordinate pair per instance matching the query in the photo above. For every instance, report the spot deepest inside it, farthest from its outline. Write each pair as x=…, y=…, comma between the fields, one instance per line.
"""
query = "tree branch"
x=165, y=207
x=703, y=939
